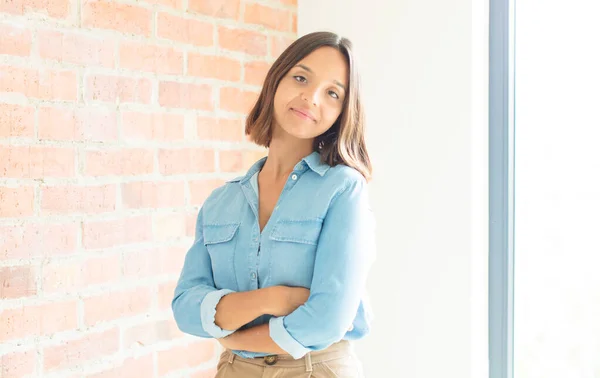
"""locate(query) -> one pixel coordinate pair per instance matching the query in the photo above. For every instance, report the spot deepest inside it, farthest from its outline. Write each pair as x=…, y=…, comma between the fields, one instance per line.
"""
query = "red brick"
x=16, y=202
x=200, y=190
x=293, y=3
x=105, y=234
x=150, y=58
x=124, y=18
x=246, y=41
x=294, y=22
x=279, y=44
x=36, y=161
x=166, y=293
x=17, y=282
x=141, y=264
x=101, y=270
x=32, y=240
x=132, y=367
x=78, y=199
x=16, y=39
x=76, y=48
x=237, y=100
x=76, y=352
x=231, y=130
x=16, y=121
x=185, y=95
x=187, y=356
x=150, y=333
x=191, y=219
x=118, y=89
x=116, y=305
x=169, y=226
x=152, y=126
x=61, y=276
x=172, y=258
x=153, y=261
x=41, y=320
x=17, y=364
x=77, y=124
x=277, y=19
x=125, y=162
x=186, y=160
x=150, y=194
x=184, y=30
x=255, y=72
x=176, y=4
x=214, y=67
x=53, y=8
x=44, y=84
x=230, y=161
x=216, y=8
x=252, y=156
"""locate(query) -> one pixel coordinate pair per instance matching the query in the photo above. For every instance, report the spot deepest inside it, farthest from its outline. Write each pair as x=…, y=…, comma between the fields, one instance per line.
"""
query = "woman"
x=278, y=268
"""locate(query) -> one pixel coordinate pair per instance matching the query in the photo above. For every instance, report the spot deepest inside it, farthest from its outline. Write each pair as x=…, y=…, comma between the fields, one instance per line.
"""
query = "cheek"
x=330, y=115
x=282, y=96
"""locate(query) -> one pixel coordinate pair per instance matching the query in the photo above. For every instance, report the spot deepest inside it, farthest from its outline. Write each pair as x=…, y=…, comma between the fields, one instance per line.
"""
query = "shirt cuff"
x=283, y=338
x=208, y=310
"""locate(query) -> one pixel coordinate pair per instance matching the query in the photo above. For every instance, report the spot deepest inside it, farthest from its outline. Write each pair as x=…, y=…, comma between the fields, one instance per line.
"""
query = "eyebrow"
x=311, y=71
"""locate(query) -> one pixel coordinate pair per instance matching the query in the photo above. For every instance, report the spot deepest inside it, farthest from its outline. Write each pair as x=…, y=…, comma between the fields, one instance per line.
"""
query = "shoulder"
x=346, y=177
x=227, y=194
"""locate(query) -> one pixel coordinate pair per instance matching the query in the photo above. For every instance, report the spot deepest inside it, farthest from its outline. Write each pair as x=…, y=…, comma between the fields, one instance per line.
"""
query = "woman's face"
x=310, y=96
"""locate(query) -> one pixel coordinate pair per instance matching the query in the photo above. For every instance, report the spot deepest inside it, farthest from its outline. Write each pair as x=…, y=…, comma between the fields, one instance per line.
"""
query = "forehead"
x=328, y=63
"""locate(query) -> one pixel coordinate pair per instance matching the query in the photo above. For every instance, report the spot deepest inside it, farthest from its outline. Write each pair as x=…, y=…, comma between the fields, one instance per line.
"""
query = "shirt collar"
x=313, y=161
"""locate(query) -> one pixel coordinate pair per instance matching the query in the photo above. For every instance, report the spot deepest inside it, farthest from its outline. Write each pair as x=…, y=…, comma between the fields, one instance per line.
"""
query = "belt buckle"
x=271, y=360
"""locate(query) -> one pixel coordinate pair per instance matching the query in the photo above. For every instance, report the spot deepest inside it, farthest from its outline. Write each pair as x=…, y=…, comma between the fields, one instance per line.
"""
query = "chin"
x=301, y=135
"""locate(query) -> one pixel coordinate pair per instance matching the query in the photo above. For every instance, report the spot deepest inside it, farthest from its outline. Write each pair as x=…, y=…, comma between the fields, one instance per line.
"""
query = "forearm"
x=236, y=309
x=255, y=339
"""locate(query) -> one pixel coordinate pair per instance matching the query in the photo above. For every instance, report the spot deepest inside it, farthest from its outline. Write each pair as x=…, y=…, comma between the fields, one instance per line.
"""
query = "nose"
x=311, y=95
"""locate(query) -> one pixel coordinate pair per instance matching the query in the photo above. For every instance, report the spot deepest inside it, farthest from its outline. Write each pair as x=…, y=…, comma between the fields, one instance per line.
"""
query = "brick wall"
x=117, y=118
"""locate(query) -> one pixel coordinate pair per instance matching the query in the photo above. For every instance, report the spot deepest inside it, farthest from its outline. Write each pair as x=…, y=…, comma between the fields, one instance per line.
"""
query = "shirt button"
x=253, y=275
x=294, y=177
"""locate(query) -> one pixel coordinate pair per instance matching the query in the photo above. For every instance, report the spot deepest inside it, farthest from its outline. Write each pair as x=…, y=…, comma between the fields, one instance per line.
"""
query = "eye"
x=334, y=95
x=299, y=78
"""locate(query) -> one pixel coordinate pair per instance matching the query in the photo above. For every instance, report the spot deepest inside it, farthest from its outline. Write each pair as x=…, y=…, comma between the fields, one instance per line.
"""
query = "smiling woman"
x=316, y=73
x=278, y=268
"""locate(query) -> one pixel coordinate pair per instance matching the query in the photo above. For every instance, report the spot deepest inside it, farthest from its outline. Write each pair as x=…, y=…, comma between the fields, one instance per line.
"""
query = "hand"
x=283, y=300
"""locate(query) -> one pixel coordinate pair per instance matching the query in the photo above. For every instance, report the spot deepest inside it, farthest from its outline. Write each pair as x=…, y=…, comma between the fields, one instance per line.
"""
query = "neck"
x=283, y=157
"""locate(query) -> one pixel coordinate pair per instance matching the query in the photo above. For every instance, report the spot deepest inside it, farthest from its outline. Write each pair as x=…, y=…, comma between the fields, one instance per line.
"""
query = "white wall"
x=557, y=190
x=425, y=85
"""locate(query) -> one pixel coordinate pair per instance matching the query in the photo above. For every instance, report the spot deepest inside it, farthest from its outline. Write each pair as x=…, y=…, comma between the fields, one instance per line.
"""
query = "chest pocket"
x=297, y=231
x=220, y=241
x=294, y=247
x=215, y=234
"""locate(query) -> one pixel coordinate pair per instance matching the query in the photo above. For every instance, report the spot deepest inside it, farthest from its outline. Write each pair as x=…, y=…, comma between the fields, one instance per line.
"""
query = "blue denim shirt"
x=321, y=236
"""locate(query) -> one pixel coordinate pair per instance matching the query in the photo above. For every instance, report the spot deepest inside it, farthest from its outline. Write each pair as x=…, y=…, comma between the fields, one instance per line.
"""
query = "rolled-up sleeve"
x=345, y=254
x=195, y=299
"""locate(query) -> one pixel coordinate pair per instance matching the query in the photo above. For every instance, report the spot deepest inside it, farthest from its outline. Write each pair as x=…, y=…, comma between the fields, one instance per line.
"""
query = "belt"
x=338, y=350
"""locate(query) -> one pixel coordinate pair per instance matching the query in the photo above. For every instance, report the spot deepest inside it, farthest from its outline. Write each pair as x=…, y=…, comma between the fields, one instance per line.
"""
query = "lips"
x=304, y=113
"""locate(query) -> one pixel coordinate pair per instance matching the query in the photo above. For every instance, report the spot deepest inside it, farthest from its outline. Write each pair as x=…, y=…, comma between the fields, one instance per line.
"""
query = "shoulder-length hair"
x=344, y=142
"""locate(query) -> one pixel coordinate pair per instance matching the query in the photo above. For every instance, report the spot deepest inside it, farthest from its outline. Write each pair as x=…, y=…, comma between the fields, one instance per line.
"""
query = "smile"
x=302, y=114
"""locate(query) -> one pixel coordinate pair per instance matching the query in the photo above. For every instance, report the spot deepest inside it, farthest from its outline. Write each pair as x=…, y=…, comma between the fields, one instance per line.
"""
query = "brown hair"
x=344, y=142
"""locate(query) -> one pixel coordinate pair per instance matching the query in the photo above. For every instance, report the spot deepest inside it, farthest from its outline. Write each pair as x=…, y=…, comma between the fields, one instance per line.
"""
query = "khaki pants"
x=337, y=361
